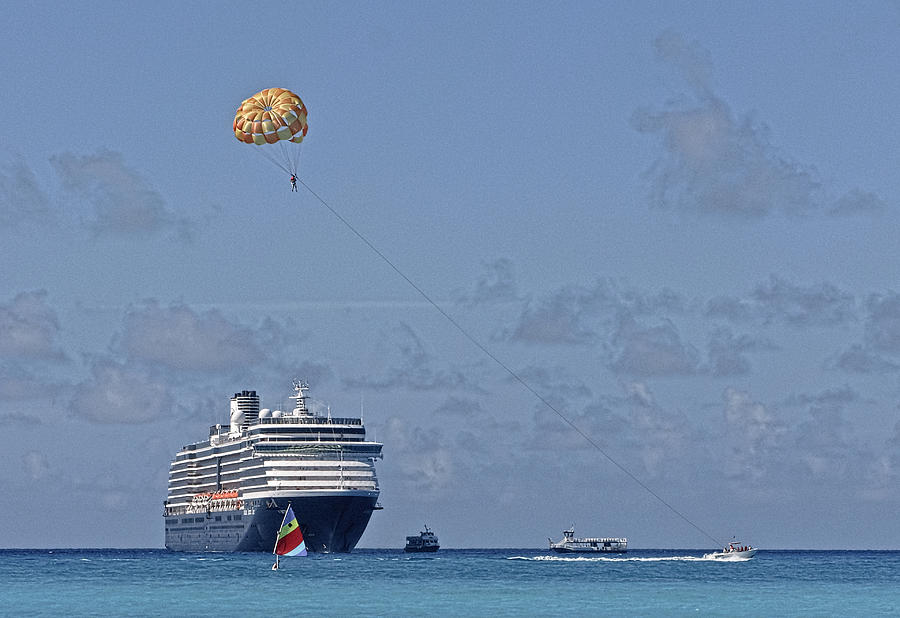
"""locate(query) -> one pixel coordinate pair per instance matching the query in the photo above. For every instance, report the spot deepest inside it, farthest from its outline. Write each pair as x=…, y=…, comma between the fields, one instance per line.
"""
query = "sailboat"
x=290, y=540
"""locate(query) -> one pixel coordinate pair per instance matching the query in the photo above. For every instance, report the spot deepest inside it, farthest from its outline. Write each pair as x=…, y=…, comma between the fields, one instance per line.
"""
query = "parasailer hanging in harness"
x=274, y=120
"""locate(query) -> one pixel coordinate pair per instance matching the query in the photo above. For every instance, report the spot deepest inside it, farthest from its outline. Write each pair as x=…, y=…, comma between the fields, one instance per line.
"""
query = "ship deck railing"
x=309, y=420
x=273, y=446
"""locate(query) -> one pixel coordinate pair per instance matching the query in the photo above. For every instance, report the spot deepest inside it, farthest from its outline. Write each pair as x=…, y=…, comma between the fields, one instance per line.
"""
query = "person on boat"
x=293, y=182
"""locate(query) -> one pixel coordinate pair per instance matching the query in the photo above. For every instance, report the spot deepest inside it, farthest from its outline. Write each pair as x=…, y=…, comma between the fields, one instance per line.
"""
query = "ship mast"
x=300, y=388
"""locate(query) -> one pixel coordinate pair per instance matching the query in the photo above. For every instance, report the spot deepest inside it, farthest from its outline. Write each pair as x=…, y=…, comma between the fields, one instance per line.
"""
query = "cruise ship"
x=230, y=492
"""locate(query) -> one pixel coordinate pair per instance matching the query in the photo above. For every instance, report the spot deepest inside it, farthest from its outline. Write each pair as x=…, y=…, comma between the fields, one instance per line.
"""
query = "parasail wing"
x=270, y=116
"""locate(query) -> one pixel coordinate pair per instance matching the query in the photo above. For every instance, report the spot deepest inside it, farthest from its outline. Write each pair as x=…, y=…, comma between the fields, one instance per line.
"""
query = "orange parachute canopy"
x=271, y=116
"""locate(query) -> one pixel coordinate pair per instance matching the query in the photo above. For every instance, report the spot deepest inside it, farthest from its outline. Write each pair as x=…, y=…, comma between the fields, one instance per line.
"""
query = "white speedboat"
x=733, y=551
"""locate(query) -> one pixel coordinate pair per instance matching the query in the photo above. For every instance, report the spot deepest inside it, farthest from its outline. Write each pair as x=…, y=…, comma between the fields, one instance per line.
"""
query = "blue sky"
x=676, y=223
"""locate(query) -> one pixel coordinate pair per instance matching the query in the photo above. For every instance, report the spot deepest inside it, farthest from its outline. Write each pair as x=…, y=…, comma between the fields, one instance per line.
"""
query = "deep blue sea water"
x=473, y=582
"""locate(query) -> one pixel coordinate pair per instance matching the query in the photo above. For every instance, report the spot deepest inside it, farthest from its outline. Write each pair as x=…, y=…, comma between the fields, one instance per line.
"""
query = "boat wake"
x=704, y=558
x=721, y=558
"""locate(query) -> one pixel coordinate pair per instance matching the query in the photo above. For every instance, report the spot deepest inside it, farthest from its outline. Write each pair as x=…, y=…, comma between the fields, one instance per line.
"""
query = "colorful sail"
x=290, y=540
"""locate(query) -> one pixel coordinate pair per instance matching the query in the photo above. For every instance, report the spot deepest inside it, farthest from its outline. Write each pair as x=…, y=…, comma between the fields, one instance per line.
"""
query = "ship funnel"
x=244, y=410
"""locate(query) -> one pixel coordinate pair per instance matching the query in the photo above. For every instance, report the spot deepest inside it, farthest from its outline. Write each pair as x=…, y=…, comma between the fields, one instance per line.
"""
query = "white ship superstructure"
x=226, y=492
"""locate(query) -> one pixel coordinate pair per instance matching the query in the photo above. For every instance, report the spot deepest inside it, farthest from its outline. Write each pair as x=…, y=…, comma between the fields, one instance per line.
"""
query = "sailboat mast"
x=275, y=549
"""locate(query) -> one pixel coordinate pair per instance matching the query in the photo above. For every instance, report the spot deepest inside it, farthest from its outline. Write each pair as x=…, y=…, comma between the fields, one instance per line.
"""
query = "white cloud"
x=598, y=421
x=35, y=465
x=119, y=393
x=460, y=406
x=882, y=328
x=572, y=314
x=858, y=202
x=123, y=202
x=652, y=351
x=29, y=328
x=858, y=359
x=17, y=418
x=556, y=319
x=661, y=438
x=407, y=364
x=554, y=383
x=639, y=394
x=115, y=500
x=824, y=445
x=752, y=435
x=717, y=162
x=178, y=337
x=18, y=384
x=780, y=301
x=880, y=348
x=833, y=396
x=496, y=283
x=21, y=198
x=423, y=459
x=727, y=352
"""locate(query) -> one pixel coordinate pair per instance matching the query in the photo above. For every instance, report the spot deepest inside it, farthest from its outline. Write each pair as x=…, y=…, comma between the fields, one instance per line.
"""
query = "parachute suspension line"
x=286, y=157
x=297, y=150
x=506, y=368
x=290, y=154
x=271, y=159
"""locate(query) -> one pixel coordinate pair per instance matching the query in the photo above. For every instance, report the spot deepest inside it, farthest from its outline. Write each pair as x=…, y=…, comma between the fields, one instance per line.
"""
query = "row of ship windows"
x=200, y=520
x=226, y=527
x=225, y=479
x=173, y=485
x=315, y=428
x=306, y=420
x=311, y=439
x=324, y=436
x=237, y=468
x=226, y=482
x=221, y=453
x=332, y=477
x=235, y=478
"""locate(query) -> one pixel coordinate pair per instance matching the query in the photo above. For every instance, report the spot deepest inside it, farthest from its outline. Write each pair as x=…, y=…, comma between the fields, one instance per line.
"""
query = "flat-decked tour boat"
x=571, y=545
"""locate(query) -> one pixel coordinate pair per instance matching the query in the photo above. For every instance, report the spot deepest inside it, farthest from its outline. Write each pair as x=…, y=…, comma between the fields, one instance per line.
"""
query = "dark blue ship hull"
x=328, y=523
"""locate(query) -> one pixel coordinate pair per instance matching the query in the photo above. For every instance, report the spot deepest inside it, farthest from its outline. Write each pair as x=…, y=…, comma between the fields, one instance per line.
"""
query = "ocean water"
x=474, y=582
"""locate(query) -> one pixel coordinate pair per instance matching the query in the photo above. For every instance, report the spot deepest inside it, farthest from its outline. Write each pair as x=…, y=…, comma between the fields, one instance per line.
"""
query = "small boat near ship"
x=425, y=541
x=733, y=551
x=572, y=545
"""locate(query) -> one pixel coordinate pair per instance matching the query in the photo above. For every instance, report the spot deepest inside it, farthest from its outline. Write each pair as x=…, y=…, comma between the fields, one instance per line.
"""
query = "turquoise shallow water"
x=497, y=582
